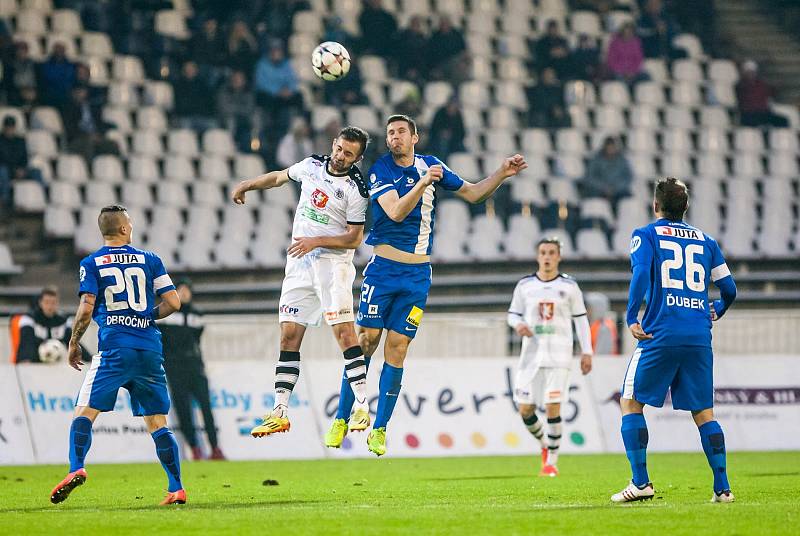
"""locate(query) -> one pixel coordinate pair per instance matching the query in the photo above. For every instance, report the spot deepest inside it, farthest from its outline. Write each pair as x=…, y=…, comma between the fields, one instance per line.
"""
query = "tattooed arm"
x=82, y=319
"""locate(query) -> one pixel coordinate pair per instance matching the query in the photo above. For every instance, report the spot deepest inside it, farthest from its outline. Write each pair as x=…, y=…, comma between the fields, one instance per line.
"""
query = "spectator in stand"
x=57, y=76
x=378, y=29
x=609, y=175
x=19, y=73
x=552, y=50
x=446, y=55
x=207, y=49
x=186, y=375
x=43, y=322
x=296, y=144
x=346, y=91
x=412, y=51
x=97, y=95
x=411, y=103
x=279, y=15
x=447, y=130
x=656, y=30
x=585, y=60
x=236, y=110
x=84, y=126
x=335, y=31
x=277, y=88
x=242, y=47
x=546, y=106
x=754, y=95
x=602, y=323
x=324, y=139
x=194, y=101
x=625, y=57
x=13, y=160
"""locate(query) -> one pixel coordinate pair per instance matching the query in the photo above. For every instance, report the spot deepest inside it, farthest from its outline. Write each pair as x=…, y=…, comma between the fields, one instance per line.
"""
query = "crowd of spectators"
x=234, y=72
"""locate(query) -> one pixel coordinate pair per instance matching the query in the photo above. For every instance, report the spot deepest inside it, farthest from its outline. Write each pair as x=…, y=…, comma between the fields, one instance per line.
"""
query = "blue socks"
x=167, y=452
x=346, y=396
x=713, y=441
x=389, y=391
x=80, y=439
x=635, y=436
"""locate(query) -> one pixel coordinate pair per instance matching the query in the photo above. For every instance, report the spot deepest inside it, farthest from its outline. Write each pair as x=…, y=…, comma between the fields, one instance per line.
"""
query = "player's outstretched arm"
x=483, y=190
x=170, y=302
x=349, y=240
x=82, y=319
x=272, y=179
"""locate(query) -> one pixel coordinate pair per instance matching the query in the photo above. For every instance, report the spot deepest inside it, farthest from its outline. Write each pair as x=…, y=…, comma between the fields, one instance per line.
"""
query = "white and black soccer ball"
x=330, y=61
x=52, y=350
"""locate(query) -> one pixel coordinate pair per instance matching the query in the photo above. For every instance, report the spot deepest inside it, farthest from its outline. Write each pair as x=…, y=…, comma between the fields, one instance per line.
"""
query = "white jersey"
x=549, y=308
x=328, y=202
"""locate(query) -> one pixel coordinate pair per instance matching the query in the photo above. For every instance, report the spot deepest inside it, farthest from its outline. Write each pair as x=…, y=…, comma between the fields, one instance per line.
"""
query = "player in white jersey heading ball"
x=328, y=227
x=542, y=311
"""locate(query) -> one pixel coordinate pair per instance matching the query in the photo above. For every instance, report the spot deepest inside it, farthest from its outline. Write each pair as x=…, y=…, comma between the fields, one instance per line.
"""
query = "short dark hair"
x=109, y=219
x=672, y=197
x=549, y=240
x=351, y=133
x=412, y=125
x=48, y=291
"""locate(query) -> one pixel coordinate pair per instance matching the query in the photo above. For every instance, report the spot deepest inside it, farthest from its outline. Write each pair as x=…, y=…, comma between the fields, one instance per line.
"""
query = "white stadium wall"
x=448, y=407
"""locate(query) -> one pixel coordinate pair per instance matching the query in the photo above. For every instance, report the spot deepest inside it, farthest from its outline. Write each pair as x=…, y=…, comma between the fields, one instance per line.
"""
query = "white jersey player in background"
x=328, y=227
x=542, y=312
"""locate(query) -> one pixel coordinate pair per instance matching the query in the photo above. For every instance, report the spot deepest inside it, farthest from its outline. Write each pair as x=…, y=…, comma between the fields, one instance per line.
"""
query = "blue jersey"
x=675, y=262
x=415, y=233
x=125, y=281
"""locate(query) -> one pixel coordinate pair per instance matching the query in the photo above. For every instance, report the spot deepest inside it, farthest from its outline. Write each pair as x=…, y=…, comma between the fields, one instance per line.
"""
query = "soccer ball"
x=330, y=61
x=52, y=350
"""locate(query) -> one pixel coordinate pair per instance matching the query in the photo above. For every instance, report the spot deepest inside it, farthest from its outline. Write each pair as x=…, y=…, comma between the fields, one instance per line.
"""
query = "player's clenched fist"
x=513, y=165
x=523, y=330
x=75, y=356
x=238, y=193
x=434, y=174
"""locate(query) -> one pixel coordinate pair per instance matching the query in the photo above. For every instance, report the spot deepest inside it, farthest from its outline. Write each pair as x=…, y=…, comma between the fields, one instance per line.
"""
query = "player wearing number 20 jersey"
x=118, y=286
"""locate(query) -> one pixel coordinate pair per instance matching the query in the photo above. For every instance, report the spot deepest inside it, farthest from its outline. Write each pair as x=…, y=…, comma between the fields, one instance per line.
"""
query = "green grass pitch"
x=482, y=495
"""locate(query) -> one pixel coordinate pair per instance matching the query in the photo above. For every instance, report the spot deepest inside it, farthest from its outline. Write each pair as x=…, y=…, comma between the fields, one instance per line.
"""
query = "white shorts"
x=548, y=386
x=316, y=285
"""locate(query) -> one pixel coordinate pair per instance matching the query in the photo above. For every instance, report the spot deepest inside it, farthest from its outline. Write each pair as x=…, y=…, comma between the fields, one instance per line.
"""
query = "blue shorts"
x=393, y=295
x=687, y=372
x=140, y=372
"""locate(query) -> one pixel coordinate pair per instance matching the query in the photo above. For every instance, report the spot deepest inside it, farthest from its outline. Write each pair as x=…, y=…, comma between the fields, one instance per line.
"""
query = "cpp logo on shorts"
x=287, y=310
x=82, y=274
x=636, y=241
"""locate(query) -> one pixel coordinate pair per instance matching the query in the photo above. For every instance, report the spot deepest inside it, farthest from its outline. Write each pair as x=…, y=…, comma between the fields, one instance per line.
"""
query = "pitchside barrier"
x=448, y=407
x=238, y=337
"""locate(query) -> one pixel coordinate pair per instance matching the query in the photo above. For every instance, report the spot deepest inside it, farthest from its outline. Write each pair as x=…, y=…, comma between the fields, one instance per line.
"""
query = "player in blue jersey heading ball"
x=118, y=288
x=673, y=264
x=398, y=277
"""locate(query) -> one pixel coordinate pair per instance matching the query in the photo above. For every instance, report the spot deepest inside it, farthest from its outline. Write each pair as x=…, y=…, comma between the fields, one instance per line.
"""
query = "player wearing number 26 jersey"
x=673, y=264
x=118, y=286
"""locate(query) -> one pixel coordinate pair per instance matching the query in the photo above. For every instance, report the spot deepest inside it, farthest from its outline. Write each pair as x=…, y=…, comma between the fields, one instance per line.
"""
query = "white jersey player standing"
x=328, y=226
x=542, y=312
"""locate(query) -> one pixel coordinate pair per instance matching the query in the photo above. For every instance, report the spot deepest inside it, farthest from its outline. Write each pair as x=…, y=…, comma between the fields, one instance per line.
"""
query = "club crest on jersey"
x=319, y=198
x=679, y=232
x=339, y=193
x=547, y=310
x=636, y=242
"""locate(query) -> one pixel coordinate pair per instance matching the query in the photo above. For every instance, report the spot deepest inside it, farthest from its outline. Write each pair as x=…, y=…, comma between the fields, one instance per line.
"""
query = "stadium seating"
x=681, y=122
